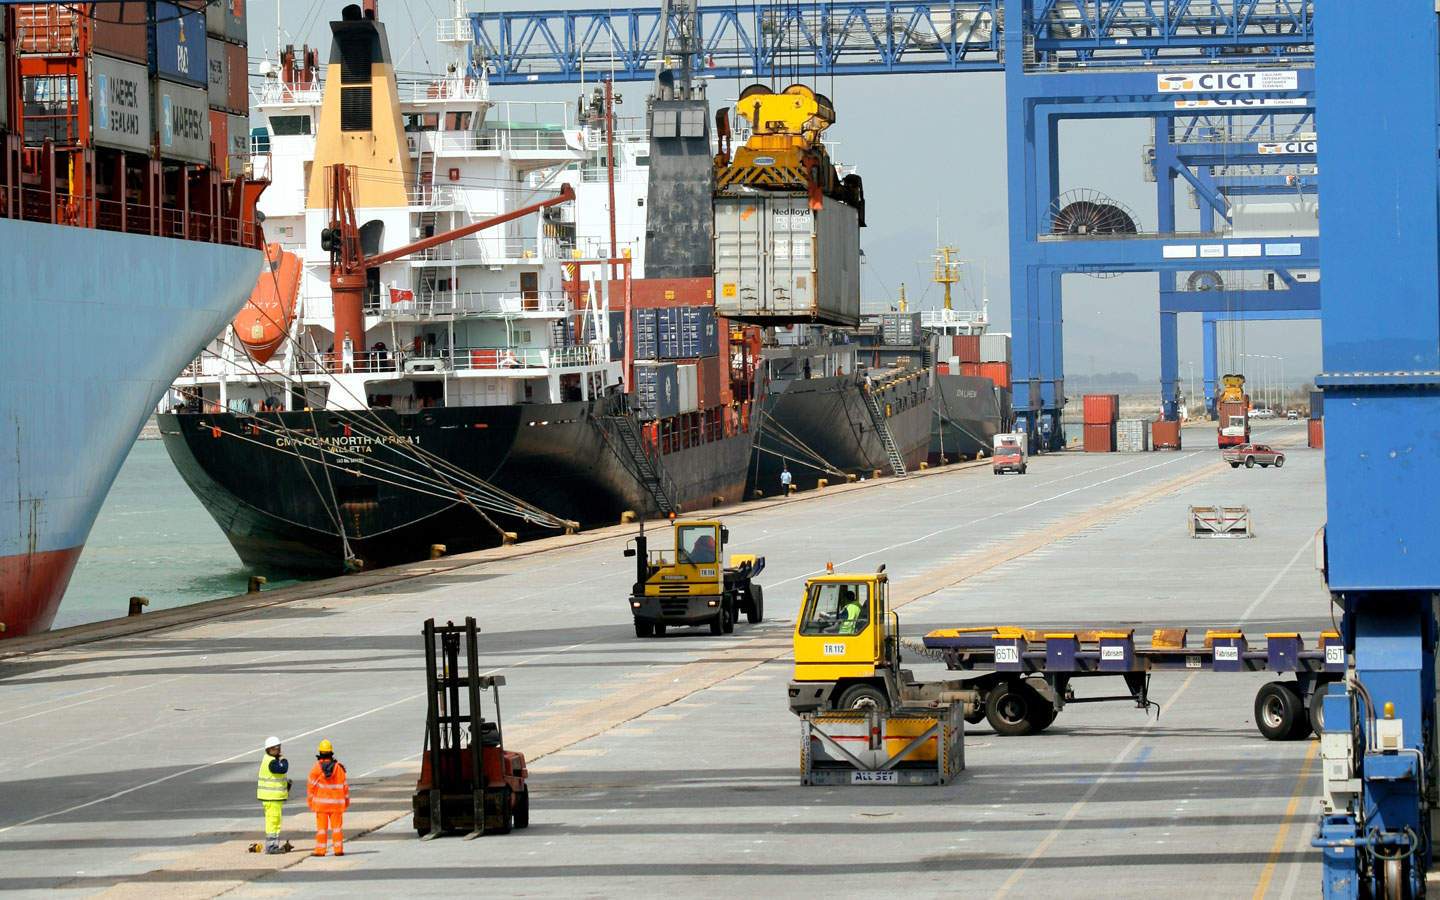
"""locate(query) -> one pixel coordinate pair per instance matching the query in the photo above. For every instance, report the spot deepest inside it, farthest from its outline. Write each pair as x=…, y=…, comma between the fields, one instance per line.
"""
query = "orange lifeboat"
x=265, y=320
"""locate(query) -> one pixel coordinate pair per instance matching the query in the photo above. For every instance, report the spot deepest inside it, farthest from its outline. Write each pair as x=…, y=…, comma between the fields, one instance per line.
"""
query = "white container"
x=776, y=261
x=995, y=347
x=1132, y=436
x=687, y=379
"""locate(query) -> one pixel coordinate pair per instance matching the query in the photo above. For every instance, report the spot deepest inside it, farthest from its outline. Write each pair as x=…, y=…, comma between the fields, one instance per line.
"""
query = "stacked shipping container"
x=138, y=77
x=1316, y=426
x=228, y=85
x=1101, y=413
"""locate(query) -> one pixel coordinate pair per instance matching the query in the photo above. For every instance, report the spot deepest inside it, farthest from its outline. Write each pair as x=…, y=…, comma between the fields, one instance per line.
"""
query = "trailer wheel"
x=643, y=629
x=1277, y=708
x=521, y=813
x=756, y=613
x=976, y=717
x=1010, y=707
x=1317, y=706
x=863, y=696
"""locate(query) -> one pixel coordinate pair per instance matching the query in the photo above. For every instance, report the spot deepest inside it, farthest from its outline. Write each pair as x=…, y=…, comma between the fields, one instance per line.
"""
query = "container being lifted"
x=787, y=226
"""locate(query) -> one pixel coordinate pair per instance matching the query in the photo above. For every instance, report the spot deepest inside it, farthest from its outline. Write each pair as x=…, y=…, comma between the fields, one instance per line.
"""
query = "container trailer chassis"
x=1025, y=669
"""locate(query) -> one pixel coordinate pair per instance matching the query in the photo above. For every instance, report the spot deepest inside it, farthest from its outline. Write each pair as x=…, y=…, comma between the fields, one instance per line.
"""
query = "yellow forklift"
x=685, y=584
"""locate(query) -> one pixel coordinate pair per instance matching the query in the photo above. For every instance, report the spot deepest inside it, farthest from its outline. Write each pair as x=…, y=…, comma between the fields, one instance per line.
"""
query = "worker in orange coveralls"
x=329, y=796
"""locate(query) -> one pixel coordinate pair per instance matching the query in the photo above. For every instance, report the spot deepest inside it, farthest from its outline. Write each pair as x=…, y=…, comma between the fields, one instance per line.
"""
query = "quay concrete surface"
x=669, y=766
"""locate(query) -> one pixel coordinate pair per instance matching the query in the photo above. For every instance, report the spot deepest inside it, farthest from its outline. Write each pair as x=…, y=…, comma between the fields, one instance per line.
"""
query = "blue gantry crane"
x=1381, y=337
x=1176, y=62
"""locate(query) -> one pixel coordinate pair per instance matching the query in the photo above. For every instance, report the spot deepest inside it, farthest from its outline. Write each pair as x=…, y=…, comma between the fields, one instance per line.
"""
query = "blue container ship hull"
x=93, y=326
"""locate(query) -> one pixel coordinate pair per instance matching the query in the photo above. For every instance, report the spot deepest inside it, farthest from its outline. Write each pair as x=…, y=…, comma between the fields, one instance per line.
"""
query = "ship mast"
x=947, y=271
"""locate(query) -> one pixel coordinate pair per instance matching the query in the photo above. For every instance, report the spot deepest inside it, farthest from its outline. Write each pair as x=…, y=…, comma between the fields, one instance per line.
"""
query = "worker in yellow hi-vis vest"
x=272, y=789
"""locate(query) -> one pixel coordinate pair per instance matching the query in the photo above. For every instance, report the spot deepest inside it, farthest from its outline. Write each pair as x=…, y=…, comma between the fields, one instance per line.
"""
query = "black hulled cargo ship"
x=473, y=388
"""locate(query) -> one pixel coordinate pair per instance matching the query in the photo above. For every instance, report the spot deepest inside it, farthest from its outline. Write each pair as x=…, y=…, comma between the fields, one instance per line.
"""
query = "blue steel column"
x=1170, y=361
x=1381, y=314
x=1027, y=357
x=1212, y=363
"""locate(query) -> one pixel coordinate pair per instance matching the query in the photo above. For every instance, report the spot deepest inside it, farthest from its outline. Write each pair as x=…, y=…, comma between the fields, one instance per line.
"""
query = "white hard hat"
x=272, y=741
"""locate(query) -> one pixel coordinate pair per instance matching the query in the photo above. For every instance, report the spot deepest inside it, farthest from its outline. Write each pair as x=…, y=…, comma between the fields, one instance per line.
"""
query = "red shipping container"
x=942, y=368
x=1102, y=409
x=1165, y=435
x=238, y=71
x=660, y=293
x=970, y=369
x=707, y=376
x=1100, y=438
x=997, y=372
x=1317, y=434
x=219, y=141
x=120, y=30
x=966, y=346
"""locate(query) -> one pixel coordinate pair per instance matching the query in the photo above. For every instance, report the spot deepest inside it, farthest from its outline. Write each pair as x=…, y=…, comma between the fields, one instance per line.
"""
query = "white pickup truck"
x=1009, y=453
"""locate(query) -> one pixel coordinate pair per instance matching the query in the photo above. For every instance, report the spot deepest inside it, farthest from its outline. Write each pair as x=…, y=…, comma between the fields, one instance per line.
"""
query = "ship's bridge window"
x=642, y=161
x=283, y=126
x=422, y=121
x=51, y=109
x=457, y=121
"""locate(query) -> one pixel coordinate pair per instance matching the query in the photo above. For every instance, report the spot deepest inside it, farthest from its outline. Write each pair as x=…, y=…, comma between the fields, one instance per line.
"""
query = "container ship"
x=128, y=231
x=448, y=388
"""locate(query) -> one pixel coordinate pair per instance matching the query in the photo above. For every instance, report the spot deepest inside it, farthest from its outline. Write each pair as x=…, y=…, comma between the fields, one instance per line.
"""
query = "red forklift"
x=460, y=741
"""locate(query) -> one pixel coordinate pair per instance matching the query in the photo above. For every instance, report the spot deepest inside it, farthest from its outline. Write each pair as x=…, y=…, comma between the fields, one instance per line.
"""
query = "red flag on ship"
x=399, y=296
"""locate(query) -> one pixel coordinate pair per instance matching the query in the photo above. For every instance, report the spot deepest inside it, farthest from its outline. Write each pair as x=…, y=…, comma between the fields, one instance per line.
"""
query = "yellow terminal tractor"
x=847, y=651
x=685, y=584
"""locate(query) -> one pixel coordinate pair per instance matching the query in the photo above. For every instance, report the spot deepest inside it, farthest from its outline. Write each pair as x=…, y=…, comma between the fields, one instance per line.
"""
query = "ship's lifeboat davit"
x=265, y=320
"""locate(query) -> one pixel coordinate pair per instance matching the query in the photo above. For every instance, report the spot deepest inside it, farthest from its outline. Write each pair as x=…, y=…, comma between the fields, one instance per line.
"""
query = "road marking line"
x=1279, y=846
x=1278, y=576
x=1090, y=792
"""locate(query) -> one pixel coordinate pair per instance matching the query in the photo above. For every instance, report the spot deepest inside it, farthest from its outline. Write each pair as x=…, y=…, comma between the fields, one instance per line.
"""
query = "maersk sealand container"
x=777, y=262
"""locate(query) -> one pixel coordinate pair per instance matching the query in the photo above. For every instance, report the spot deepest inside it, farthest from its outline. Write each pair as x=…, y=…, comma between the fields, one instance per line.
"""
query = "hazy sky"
x=930, y=147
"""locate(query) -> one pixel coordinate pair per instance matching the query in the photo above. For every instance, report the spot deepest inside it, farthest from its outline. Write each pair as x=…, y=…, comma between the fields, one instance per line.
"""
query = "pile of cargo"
x=977, y=356
x=170, y=79
x=1102, y=411
x=1316, y=425
x=676, y=343
x=1132, y=435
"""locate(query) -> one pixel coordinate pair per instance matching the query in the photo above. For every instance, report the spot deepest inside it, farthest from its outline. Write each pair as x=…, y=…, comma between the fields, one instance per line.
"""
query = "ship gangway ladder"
x=647, y=469
x=882, y=431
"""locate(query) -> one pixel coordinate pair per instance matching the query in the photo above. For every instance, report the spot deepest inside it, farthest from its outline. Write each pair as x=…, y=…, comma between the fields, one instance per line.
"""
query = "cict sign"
x=1228, y=82
x=1239, y=102
x=1287, y=148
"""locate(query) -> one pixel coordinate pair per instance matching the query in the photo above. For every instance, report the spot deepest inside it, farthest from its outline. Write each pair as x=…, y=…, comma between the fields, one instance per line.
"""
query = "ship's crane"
x=349, y=262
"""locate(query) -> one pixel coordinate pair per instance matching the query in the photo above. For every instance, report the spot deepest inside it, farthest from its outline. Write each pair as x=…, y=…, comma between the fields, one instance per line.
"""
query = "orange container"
x=1317, y=434
x=998, y=372
x=1102, y=409
x=1165, y=435
x=1100, y=438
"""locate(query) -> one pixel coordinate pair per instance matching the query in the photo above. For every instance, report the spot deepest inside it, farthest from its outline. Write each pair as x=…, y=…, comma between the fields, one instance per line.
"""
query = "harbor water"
x=152, y=539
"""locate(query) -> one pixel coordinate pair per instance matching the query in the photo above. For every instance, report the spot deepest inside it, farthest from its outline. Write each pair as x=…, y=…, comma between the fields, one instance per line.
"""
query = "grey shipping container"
x=778, y=262
x=121, y=30
x=121, y=109
x=226, y=18
x=1132, y=435
x=657, y=390
x=995, y=347
x=667, y=326
x=647, y=339
x=217, y=85
x=239, y=153
x=180, y=44
x=1317, y=404
x=699, y=332
x=183, y=120
x=899, y=328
